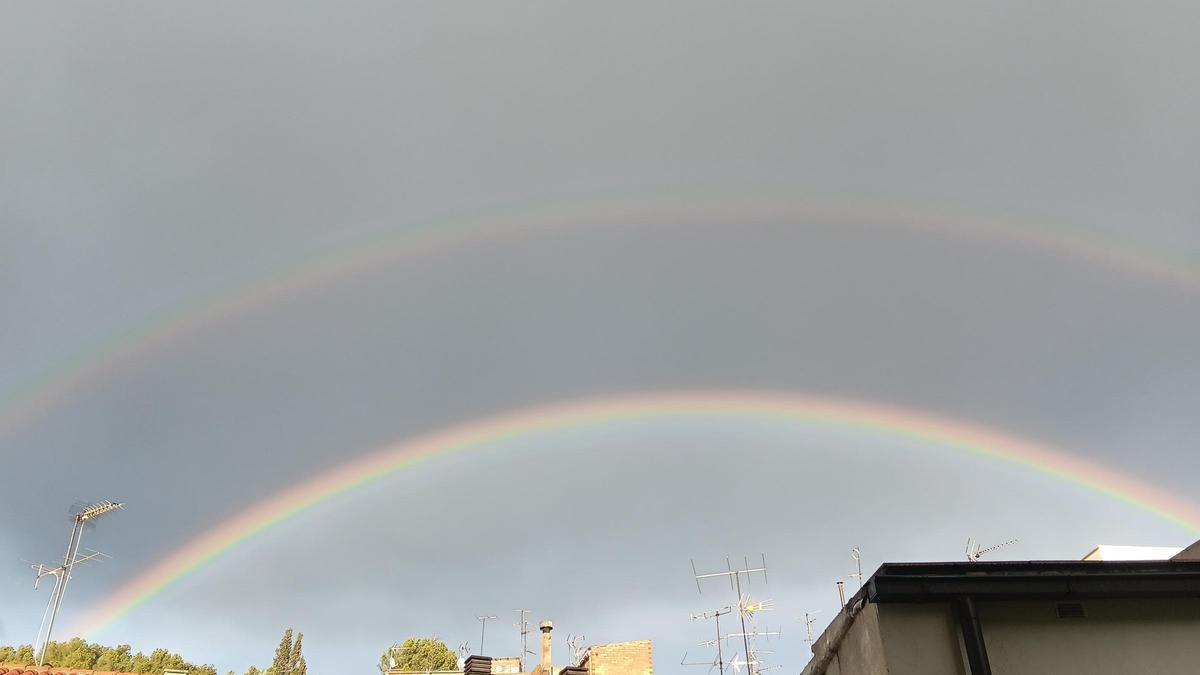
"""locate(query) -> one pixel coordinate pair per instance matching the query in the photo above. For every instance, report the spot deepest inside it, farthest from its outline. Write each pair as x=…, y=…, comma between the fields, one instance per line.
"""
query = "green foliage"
x=417, y=655
x=25, y=654
x=253, y=671
x=77, y=653
x=297, y=663
x=289, y=659
x=119, y=659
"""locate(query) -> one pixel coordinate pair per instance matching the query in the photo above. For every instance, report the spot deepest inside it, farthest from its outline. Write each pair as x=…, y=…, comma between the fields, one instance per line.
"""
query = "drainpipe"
x=972, y=632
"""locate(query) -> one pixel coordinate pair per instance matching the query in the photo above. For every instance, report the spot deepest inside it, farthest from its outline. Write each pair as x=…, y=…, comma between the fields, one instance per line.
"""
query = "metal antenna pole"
x=856, y=553
x=523, y=626
x=62, y=574
x=742, y=615
x=744, y=607
x=715, y=614
x=483, y=626
x=809, y=620
x=60, y=584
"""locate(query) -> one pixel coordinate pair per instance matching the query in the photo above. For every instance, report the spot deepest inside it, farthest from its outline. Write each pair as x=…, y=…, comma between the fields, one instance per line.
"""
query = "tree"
x=138, y=663
x=78, y=654
x=118, y=659
x=283, y=656
x=417, y=655
x=253, y=671
x=296, y=664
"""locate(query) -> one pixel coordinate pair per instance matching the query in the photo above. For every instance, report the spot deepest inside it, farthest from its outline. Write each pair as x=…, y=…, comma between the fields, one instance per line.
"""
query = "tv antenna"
x=735, y=584
x=738, y=662
x=809, y=620
x=856, y=554
x=755, y=633
x=523, y=629
x=575, y=645
x=711, y=664
x=83, y=518
x=482, y=627
x=715, y=615
x=974, y=552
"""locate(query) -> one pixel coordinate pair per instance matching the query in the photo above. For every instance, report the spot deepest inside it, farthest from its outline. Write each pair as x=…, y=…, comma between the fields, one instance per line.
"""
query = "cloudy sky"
x=863, y=200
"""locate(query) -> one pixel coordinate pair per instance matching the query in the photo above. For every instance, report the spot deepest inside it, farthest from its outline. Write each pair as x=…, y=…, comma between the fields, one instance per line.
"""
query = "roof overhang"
x=927, y=582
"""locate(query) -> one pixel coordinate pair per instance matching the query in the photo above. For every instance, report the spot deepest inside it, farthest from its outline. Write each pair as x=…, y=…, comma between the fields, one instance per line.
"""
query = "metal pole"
x=720, y=656
x=60, y=589
x=742, y=615
x=482, y=627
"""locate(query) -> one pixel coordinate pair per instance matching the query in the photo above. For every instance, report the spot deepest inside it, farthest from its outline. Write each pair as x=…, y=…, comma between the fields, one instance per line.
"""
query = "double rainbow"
x=681, y=406
x=139, y=340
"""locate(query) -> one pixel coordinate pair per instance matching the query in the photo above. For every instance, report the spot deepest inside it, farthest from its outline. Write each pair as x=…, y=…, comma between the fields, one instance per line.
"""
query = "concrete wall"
x=861, y=652
x=1118, y=636
x=921, y=639
x=621, y=658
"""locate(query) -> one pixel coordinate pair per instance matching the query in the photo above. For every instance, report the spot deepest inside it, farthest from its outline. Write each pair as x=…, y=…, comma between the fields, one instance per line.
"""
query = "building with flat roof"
x=618, y=658
x=1095, y=616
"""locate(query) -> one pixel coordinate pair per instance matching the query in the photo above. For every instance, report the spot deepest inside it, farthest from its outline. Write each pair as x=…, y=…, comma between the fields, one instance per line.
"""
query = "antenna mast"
x=62, y=573
x=974, y=552
x=746, y=609
x=575, y=645
x=715, y=615
x=809, y=620
x=482, y=627
x=856, y=553
x=523, y=628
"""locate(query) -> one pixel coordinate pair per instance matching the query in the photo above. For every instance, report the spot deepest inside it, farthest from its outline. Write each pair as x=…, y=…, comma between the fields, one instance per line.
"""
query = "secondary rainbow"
x=125, y=348
x=867, y=416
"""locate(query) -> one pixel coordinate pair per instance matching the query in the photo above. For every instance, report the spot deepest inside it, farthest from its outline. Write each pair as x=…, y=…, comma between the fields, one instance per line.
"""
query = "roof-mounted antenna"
x=84, y=517
x=711, y=664
x=856, y=554
x=809, y=620
x=743, y=604
x=575, y=646
x=715, y=615
x=483, y=619
x=974, y=552
x=523, y=628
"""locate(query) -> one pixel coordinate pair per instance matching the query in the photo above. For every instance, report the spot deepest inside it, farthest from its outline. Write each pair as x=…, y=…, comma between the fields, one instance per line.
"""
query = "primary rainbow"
x=861, y=415
x=142, y=338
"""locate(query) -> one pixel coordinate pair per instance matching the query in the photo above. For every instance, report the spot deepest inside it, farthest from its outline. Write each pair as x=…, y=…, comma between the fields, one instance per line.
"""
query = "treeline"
x=77, y=653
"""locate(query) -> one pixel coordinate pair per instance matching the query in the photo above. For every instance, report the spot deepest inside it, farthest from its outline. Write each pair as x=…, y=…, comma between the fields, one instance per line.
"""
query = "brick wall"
x=620, y=658
x=507, y=665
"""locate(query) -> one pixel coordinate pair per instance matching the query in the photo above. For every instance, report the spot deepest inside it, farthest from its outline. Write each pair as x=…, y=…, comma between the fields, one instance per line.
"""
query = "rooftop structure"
x=619, y=658
x=1033, y=618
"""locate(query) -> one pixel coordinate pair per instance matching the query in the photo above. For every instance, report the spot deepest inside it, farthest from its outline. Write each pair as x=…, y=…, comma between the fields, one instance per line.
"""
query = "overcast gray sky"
x=153, y=155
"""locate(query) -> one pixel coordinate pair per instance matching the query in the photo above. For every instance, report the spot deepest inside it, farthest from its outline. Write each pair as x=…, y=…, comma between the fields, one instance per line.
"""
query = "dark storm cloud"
x=154, y=154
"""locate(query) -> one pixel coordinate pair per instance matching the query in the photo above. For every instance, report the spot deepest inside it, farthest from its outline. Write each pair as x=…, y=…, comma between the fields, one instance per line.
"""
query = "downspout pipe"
x=972, y=633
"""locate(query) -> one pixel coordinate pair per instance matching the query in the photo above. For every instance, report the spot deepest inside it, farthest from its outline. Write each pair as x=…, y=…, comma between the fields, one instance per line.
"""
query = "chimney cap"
x=547, y=626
